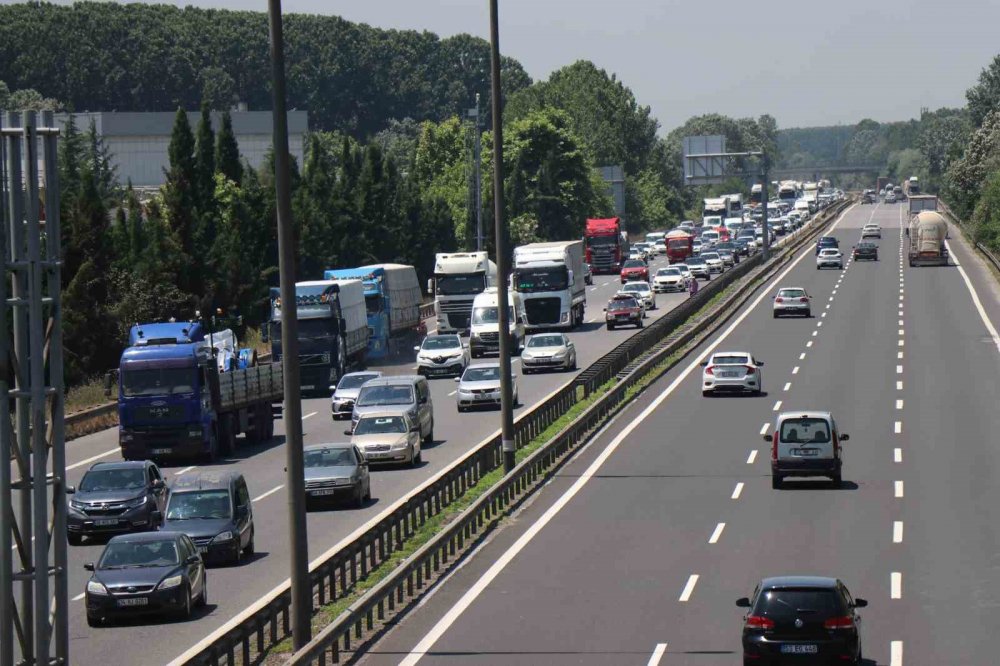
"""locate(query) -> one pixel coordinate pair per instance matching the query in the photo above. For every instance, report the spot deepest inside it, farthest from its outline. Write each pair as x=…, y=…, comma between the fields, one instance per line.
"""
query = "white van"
x=485, y=334
x=805, y=444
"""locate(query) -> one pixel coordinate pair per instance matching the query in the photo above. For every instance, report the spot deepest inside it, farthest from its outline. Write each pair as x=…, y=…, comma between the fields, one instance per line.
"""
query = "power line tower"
x=34, y=626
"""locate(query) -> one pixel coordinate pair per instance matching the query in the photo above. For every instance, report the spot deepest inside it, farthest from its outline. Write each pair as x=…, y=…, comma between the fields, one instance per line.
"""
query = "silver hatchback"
x=792, y=301
x=479, y=386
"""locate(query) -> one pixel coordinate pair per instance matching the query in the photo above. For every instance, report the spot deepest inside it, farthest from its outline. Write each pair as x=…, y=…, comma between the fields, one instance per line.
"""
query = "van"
x=409, y=393
x=485, y=335
x=214, y=509
x=805, y=444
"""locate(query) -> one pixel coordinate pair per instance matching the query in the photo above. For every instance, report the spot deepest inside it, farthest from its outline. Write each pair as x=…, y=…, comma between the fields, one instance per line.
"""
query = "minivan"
x=410, y=393
x=485, y=335
x=214, y=509
x=805, y=444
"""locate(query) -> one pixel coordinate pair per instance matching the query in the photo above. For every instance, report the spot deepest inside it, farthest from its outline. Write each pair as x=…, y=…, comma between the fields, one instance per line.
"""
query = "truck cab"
x=485, y=331
x=459, y=277
x=549, y=278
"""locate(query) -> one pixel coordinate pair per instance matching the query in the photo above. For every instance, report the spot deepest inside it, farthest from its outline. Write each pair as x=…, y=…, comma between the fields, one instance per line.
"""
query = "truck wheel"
x=776, y=481
x=213, y=447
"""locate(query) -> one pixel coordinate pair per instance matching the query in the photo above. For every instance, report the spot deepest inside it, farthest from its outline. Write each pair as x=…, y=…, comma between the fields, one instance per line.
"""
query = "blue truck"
x=184, y=392
x=392, y=301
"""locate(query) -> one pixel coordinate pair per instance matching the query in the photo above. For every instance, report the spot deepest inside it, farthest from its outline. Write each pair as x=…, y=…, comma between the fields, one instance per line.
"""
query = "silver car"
x=388, y=437
x=871, y=231
x=641, y=291
x=792, y=300
x=731, y=371
x=669, y=279
x=829, y=257
x=346, y=392
x=713, y=261
x=805, y=444
x=479, y=386
x=336, y=472
x=548, y=350
x=442, y=354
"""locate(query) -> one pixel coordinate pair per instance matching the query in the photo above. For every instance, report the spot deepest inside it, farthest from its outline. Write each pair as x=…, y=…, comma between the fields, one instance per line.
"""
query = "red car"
x=635, y=269
x=623, y=310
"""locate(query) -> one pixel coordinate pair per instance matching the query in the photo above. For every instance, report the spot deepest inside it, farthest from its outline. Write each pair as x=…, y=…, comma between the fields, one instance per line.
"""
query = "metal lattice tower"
x=33, y=579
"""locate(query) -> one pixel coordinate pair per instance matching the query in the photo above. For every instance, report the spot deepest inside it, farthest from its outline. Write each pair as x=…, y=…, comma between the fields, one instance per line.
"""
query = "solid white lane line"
x=657, y=655
x=897, y=427
x=896, y=585
x=79, y=596
x=899, y=404
x=975, y=301
x=896, y=653
x=898, y=488
x=717, y=533
x=309, y=415
x=763, y=428
x=788, y=385
x=452, y=393
x=737, y=491
x=899, y=386
x=899, y=369
x=795, y=370
x=897, y=531
x=897, y=455
x=689, y=587
x=93, y=458
x=802, y=356
x=186, y=469
x=777, y=406
x=752, y=457
x=269, y=492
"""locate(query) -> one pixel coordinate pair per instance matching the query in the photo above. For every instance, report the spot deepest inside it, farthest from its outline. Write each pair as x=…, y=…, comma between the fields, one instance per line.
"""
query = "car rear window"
x=791, y=293
x=730, y=359
x=805, y=430
x=793, y=603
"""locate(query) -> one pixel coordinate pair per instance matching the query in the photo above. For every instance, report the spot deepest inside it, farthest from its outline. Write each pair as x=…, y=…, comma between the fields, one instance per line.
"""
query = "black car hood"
x=107, y=495
x=199, y=527
x=136, y=576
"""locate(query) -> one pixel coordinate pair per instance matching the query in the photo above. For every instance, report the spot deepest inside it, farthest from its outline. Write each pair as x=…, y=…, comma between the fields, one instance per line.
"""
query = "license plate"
x=106, y=522
x=482, y=397
x=730, y=373
x=307, y=387
x=159, y=452
x=805, y=452
x=326, y=491
x=133, y=601
x=377, y=455
x=799, y=649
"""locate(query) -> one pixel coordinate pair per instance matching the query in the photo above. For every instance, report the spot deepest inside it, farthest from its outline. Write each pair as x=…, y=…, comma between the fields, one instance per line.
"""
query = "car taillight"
x=839, y=623
x=758, y=622
x=710, y=371
x=779, y=299
x=751, y=369
x=803, y=300
x=774, y=445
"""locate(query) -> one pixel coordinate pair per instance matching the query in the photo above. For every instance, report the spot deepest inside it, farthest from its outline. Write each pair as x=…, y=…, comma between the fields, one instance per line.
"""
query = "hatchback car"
x=115, y=497
x=890, y=198
x=442, y=354
x=479, y=386
x=214, y=509
x=336, y=472
x=634, y=269
x=713, y=261
x=388, y=437
x=829, y=257
x=642, y=291
x=805, y=444
x=548, y=350
x=792, y=300
x=346, y=392
x=669, y=279
x=143, y=574
x=729, y=257
x=737, y=372
x=866, y=250
x=624, y=309
x=871, y=231
x=801, y=620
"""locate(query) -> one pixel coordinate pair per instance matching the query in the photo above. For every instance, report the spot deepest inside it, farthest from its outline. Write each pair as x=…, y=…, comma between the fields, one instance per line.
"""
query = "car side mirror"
x=70, y=490
x=845, y=437
x=743, y=602
x=860, y=603
x=415, y=427
x=458, y=379
x=192, y=559
x=346, y=432
x=766, y=437
x=703, y=364
x=760, y=364
x=89, y=566
x=158, y=484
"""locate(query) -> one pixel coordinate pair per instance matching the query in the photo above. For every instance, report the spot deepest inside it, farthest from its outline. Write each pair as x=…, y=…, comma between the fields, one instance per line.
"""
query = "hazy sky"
x=807, y=63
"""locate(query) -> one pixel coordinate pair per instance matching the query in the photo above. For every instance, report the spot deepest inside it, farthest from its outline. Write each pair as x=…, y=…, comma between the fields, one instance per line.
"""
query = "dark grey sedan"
x=336, y=472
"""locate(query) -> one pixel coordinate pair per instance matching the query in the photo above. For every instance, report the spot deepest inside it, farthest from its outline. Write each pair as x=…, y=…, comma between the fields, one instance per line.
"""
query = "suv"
x=410, y=393
x=214, y=509
x=801, y=619
x=441, y=354
x=115, y=497
x=805, y=444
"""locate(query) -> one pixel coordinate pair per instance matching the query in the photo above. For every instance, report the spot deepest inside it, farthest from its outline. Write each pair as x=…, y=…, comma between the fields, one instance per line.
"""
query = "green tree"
x=180, y=199
x=99, y=161
x=965, y=176
x=984, y=97
x=227, y=152
x=204, y=163
x=440, y=167
x=71, y=152
x=218, y=89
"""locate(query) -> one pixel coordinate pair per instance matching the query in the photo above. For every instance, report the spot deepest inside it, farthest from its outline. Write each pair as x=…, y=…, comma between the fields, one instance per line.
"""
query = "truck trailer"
x=717, y=207
x=458, y=278
x=927, y=231
x=605, y=245
x=550, y=279
x=680, y=246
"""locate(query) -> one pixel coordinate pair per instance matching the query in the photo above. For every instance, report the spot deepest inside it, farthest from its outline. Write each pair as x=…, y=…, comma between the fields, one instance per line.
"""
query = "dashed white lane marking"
x=822, y=316
x=900, y=313
x=901, y=343
x=795, y=370
x=802, y=356
x=452, y=393
x=815, y=333
x=809, y=344
x=79, y=596
x=309, y=415
x=689, y=587
x=896, y=585
x=737, y=490
x=93, y=458
x=269, y=492
x=899, y=386
x=901, y=323
x=897, y=531
x=819, y=324
x=717, y=533
x=898, y=488
x=901, y=331
x=752, y=457
x=186, y=469
x=777, y=406
x=899, y=355
x=899, y=369
x=897, y=455
x=899, y=404
x=896, y=653
x=828, y=305
x=763, y=428
x=654, y=659
x=788, y=385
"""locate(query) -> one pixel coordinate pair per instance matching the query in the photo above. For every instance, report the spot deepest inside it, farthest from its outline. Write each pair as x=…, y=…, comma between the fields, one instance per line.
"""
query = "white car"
x=642, y=292
x=669, y=279
x=684, y=269
x=714, y=262
x=479, y=386
x=829, y=257
x=442, y=354
x=548, y=351
x=731, y=371
x=792, y=300
x=871, y=231
x=661, y=246
x=697, y=245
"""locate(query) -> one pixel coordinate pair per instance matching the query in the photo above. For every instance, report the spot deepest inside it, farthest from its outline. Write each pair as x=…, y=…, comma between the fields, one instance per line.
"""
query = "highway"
x=636, y=551
x=233, y=589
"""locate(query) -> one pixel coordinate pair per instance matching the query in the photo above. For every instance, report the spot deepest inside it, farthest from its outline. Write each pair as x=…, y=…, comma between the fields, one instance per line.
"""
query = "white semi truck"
x=549, y=277
x=717, y=207
x=458, y=278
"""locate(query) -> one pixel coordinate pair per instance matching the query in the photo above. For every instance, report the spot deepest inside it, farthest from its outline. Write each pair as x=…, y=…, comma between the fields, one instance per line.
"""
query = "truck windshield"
x=308, y=329
x=602, y=241
x=554, y=278
x=373, y=304
x=460, y=285
x=678, y=244
x=490, y=315
x=158, y=381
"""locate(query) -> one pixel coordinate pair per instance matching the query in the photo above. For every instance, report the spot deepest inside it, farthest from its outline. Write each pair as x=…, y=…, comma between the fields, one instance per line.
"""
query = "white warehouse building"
x=138, y=141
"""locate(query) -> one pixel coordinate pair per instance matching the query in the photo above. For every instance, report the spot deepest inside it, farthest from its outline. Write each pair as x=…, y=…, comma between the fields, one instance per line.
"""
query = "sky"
x=806, y=63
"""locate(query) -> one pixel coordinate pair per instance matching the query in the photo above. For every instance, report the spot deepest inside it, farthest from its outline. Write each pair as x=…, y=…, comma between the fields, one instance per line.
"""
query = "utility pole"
x=477, y=194
x=301, y=590
x=503, y=262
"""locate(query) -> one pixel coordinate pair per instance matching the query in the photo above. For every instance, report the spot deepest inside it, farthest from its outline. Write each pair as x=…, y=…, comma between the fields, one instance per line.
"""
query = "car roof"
x=488, y=364
x=212, y=480
x=731, y=353
x=801, y=415
x=328, y=445
x=120, y=464
x=146, y=537
x=798, y=288
x=785, y=582
x=393, y=380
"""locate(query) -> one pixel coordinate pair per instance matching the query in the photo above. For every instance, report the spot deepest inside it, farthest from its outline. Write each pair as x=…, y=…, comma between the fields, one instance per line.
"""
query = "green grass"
x=254, y=339
x=86, y=395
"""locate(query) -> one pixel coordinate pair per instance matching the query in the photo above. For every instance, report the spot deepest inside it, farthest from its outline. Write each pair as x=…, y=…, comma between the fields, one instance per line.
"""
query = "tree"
x=965, y=176
x=30, y=99
x=440, y=170
x=204, y=163
x=227, y=152
x=943, y=134
x=98, y=157
x=218, y=89
x=984, y=97
x=986, y=217
x=71, y=150
x=180, y=197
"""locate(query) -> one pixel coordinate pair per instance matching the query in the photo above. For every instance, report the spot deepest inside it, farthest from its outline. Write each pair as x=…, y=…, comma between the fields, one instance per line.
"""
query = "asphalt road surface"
x=637, y=550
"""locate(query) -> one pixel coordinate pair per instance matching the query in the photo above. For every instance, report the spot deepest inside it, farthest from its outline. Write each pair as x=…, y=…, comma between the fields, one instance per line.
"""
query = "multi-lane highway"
x=233, y=589
x=637, y=550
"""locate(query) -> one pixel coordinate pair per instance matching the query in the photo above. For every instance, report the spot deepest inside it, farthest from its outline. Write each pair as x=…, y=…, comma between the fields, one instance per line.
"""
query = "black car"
x=115, y=497
x=801, y=620
x=866, y=250
x=142, y=574
x=213, y=508
x=825, y=242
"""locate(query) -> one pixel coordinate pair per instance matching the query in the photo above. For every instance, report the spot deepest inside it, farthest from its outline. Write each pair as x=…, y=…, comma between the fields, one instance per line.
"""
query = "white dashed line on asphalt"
x=896, y=653
x=186, y=469
x=452, y=393
x=79, y=596
x=777, y=406
x=897, y=455
x=689, y=587
x=752, y=457
x=654, y=659
x=899, y=369
x=899, y=386
x=309, y=415
x=899, y=404
x=717, y=533
x=897, y=531
x=795, y=370
x=763, y=428
x=809, y=344
x=802, y=356
x=819, y=324
x=828, y=306
x=899, y=355
x=901, y=343
x=737, y=491
x=901, y=331
x=896, y=585
x=93, y=458
x=900, y=323
x=788, y=385
x=822, y=316
x=815, y=333
x=268, y=493
x=898, y=488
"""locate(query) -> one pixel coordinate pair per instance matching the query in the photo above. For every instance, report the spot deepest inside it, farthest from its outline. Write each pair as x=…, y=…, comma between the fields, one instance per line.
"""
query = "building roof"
x=160, y=123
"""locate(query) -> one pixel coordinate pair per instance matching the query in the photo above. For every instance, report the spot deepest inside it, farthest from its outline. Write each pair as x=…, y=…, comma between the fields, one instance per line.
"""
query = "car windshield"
x=385, y=395
x=709, y=255
x=546, y=341
x=639, y=287
x=805, y=431
x=380, y=425
x=668, y=271
x=482, y=374
x=791, y=293
x=827, y=241
x=730, y=359
x=490, y=315
x=829, y=252
x=330, y=456
x=634, y=263
x=682, y=267
x=158, y=381
x=790, y=604
x=442, y=342
x=194, y=504
x=100, y=480
x=353, y=381
x=696, y=261
x=626, y=302
x=138, y=555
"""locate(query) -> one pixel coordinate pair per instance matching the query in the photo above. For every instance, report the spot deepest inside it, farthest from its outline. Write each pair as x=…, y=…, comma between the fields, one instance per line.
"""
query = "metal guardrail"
x=267, y=622
x=990, y=256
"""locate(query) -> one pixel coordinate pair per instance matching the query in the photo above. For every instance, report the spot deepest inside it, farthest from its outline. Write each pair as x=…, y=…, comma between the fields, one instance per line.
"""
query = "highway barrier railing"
x=335, y=574
x=987, y=253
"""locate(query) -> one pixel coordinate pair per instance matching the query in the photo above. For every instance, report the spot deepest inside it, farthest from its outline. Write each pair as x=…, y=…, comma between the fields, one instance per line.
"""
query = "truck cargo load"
x=605, y=244
x=715, y=207
x=927, y=232
x=550, y=279
x=922, y=202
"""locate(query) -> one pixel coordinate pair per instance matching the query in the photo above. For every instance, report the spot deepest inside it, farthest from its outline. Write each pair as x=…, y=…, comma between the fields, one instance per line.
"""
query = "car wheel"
x=74, y=539
x=249, y=550
x=414, y=461
x=776, y=480
x=775, y=314
x=430, y=435
x=611, y=327
x=359, y=499
x=706, y=394
x=837, y=479
x=809, y=314
x=417, y=459
x=93, y=620
x=203, y=599
x=185, y=611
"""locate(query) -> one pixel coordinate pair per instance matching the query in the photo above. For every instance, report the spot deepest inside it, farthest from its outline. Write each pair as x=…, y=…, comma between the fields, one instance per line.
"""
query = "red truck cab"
x=605, y=245
x=680, y=246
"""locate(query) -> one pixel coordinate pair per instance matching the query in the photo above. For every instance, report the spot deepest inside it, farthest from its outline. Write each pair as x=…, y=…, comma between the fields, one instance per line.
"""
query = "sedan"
x=866, y=250
x=479, y=386
x=792, y=300
x=336, y=472
x=634, y=269
x=829, y=257
x=713, y=261
x=684, y=269
x=548, y=350
x=871, y=231
x=346, y=392
x=442, y=354
x=143, y=574
x=731, y=371
x=624, y=309
x=669, y=279
x=641, y=291
x=698, y=268
x=388, y=437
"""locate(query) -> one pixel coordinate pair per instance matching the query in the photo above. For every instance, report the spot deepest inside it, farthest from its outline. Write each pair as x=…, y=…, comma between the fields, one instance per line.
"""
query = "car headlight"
x=224, y=536
x=138, y=501
x=168, y=583
x=94, y=587
x=79, y=506
x=561, y=354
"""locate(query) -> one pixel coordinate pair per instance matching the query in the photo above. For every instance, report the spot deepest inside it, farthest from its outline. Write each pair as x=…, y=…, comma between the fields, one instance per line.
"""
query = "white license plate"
x=805, y=452
x=482, y=397
x=377, y=455
x=325, y=491
x=106, y=522
x=159, y=452
x=730, y=374
x=134, y=601
x=308, y=387
x=799, y=649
